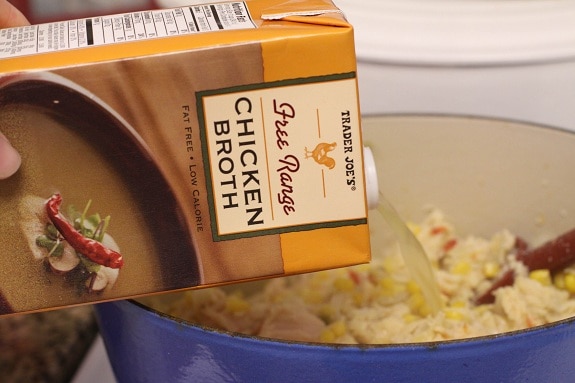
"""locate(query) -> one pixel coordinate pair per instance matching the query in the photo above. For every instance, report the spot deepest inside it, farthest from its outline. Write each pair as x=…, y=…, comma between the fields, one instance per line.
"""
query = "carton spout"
x=371, y=184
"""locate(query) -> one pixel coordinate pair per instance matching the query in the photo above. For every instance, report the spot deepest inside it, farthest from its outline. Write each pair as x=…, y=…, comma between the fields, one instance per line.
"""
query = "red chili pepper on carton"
x=90, y=248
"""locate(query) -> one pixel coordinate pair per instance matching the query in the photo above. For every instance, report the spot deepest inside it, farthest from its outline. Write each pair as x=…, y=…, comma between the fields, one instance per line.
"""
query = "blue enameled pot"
x=485, y=175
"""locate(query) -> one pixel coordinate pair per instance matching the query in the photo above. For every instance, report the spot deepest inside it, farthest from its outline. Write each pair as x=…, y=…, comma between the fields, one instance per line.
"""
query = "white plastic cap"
x=371, y=185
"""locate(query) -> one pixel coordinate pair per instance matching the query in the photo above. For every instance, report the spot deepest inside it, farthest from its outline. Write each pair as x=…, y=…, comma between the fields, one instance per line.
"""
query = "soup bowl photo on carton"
x=485, y=175
x=75, y=146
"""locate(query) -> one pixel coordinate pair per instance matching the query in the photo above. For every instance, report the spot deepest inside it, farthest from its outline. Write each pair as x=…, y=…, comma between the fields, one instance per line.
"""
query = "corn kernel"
x=312, y=296
x=458, y=304
x=542, y=276
x=454, y=315
x=390, y=265
x=236, y=304
x=327, y=335
x=491, y=269
x=320, y=276
x=338, y=328
x=278, y=297
x=344, y=284
x=413, y=287
x=342, y=271
x=570, y=283
x=358, y=299
x=386, y=283
x=363, y=268
x=461, y=268
x=415, y=228
x=559, y=281
x=425, y=310
x=389, y=287
x=419, y=338
x=384, y=293
x=481, y=309
x=416, y=301
x=326, y=312
x=410, y=318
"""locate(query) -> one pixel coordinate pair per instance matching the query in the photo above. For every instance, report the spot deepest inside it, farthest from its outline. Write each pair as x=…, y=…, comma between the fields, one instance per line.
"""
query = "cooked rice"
x=379, y=303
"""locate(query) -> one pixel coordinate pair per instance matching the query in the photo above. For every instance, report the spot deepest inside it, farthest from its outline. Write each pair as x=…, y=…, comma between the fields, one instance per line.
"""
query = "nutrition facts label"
x=123, y=27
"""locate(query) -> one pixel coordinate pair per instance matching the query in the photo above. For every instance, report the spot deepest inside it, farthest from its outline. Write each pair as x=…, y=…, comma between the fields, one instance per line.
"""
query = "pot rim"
x=211, y=331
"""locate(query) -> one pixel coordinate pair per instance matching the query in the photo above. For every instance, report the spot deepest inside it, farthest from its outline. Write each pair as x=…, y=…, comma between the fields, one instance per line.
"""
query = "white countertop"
x=96, y=366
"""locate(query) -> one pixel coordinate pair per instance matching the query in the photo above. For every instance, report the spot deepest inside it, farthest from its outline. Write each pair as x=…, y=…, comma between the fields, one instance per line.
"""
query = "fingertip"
x=10, y=159
x=10, y=16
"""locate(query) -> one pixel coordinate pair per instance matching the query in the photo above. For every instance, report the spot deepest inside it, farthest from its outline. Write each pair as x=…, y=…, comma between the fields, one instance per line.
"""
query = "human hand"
x=10, y=16
x=9, y=158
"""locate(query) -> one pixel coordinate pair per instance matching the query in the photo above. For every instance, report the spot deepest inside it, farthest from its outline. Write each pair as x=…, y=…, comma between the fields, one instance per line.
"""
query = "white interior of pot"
x=485, y=174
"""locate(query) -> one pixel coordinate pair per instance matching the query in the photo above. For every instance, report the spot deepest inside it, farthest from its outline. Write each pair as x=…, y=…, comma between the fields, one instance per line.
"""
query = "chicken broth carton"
x=179, y=148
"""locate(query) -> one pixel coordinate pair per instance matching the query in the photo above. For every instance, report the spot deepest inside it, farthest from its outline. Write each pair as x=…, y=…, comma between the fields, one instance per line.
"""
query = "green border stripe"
x=291, y=229
x=205, y=155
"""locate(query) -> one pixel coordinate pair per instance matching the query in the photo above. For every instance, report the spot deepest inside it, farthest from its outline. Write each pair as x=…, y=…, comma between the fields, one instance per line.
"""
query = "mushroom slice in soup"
x=47, y=243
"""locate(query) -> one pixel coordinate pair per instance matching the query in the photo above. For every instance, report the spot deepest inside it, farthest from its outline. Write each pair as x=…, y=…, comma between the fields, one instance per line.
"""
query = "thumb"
x=10, y=16
x=9, y=158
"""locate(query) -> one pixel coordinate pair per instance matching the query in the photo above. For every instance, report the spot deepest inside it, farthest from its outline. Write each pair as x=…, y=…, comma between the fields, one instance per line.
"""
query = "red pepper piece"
x=90, y=248
x=553, y=255
x=438, y=230
x=354, y=277
x=449, y=244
